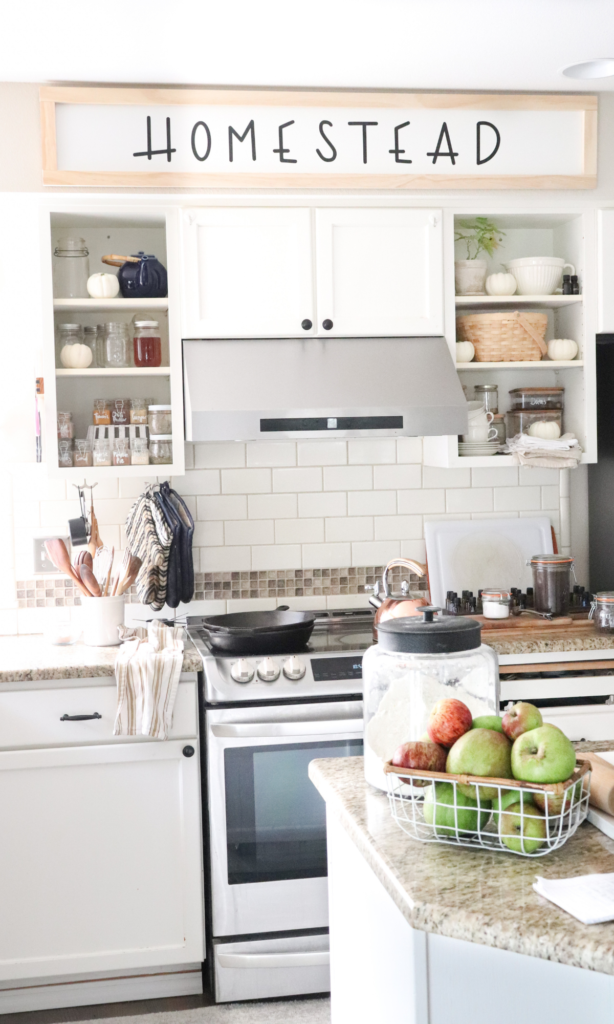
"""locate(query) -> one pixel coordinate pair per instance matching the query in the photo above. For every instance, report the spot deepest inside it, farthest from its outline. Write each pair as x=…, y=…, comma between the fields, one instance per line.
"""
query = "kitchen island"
x=440, y=934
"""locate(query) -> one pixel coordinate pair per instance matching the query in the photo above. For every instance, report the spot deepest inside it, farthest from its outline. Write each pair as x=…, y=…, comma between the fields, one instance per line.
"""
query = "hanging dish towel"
x=181, y=551
x=147, y=673
x=150, y=539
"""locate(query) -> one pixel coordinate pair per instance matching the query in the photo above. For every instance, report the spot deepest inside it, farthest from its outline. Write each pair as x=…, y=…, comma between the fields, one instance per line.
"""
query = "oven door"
x=267, y=820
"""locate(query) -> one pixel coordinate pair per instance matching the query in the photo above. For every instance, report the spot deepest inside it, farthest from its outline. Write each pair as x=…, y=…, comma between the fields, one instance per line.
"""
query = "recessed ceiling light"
x=602, y=67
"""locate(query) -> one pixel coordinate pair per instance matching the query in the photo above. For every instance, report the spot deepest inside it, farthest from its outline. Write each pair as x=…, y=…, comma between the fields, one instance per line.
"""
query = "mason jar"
x=160, y=449
x=552, y=582
x=116, y=345
x=602, y=611
x=71, y=269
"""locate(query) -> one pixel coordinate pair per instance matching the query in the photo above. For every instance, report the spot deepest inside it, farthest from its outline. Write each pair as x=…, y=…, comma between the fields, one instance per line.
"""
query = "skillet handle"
x=283, y=608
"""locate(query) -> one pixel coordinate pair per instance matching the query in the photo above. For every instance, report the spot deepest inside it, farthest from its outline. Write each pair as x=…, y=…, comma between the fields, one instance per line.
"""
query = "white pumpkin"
x=464, y=351
x=562, y=348
x=76, y=357
x=103, y=286
x=548, y=430
x=501, y=284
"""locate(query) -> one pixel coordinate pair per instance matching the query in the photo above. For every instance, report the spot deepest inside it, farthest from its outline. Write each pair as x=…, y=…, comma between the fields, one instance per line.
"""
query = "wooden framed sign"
x=224, y=138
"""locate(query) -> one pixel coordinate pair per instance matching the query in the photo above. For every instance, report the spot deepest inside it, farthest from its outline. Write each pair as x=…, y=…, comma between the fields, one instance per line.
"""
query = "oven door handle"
x=311, y=958
x=271, y=730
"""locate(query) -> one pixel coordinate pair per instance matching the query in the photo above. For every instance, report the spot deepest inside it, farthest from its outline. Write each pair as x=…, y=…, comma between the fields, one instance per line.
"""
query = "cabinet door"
x=100, y=859
x=247, y=273
x=379, y=272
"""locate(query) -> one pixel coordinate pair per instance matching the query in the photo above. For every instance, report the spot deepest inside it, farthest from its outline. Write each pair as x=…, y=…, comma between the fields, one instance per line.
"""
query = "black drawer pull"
x=188, y=751
x=306, y=325
x=327, y=325
x=79, y=718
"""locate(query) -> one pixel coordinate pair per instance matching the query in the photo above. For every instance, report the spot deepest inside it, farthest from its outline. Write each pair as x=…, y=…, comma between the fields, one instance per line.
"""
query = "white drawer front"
x=32, y=718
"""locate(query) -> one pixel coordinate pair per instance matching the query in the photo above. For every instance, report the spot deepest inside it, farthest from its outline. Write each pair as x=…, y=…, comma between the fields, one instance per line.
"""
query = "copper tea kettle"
x=396, y=606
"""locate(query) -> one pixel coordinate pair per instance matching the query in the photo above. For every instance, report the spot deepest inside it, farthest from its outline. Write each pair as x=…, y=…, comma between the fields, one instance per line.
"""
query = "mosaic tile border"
x=54, y=592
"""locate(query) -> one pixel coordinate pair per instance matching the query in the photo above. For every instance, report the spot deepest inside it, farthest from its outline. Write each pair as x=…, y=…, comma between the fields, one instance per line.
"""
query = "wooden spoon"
x=95, y=542
x=131, y=575
x=90, y=581
x=56, y=549
x=122, y=571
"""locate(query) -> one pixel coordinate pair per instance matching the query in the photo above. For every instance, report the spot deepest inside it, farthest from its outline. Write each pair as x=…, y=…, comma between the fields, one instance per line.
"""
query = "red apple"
x=421, y=755
x=450, y=719
x=521, y=718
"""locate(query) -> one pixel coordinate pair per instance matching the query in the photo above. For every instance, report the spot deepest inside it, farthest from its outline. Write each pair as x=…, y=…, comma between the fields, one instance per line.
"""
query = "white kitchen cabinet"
x=379, y=272
x=100, y=860
x=247, y=273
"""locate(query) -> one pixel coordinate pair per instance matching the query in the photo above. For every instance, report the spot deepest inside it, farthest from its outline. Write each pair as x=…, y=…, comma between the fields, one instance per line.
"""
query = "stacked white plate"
x=478, y=447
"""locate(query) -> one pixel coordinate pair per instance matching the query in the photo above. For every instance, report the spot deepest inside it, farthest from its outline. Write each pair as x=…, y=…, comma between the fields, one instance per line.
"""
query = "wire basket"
x=433, y=815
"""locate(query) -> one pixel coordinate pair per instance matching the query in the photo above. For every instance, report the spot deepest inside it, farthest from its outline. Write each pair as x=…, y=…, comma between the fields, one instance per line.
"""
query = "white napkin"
x=524, y=442
x=589, y=898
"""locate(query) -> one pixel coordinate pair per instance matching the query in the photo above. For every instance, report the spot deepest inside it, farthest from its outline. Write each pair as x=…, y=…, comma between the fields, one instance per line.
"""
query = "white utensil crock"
x=538, y=275
x=101, y=617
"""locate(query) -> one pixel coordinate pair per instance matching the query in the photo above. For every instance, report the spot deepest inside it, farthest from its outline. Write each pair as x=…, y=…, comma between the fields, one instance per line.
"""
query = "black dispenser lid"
x=427, y=635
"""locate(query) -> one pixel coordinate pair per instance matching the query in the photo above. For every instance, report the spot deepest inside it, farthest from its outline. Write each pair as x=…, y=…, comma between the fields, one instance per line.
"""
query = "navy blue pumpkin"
x=145, y=279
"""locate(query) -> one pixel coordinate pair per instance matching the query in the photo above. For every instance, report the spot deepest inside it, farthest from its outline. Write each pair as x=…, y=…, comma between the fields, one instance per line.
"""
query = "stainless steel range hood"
x=331, y=387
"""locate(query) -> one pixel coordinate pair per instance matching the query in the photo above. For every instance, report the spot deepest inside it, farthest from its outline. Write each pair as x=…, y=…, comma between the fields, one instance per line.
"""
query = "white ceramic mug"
x=101, y=618
x=480, y=433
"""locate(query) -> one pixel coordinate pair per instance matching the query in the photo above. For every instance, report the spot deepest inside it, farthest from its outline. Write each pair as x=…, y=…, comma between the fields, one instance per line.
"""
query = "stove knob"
x=241, y=671
x=268, y=671
x=294, y=668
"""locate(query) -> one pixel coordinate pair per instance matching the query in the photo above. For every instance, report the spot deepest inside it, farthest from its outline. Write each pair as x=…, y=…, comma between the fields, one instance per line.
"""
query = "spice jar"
x=140, y=452
x=496, y=604
x=160, y=419
x=116, y=342
x=120, y=412
x=66, y=427
x=602, y=611
x=82, y=452
x=102, y=413
x=138, y=410
x=160, y=449
x=71, y=269
x=147, y=343
x=102, y=453
x=488, y=394
x=551, y=583
x=64, y=454
x=121, y=451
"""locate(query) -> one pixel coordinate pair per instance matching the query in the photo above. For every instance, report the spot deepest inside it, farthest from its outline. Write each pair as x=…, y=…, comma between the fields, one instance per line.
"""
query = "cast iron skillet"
x=278, y=632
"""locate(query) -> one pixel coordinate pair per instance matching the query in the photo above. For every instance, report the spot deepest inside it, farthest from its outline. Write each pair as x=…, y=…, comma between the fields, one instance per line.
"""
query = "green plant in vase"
x=478, y=235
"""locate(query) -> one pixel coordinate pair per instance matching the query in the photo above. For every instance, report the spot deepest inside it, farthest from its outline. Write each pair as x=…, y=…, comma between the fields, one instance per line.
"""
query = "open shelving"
x=512, y=301
x=116, y=305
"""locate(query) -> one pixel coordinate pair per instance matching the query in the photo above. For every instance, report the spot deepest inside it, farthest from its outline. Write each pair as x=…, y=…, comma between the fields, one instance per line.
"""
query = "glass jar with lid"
x=101, y=455
x=488, y=394
x=82, y=452
x=160, y=449
x=418, y=661
x=537, y=398
x=66, y=429
x=552, y=583
x=64, y=454
x=602, y=611
x=140, y=451
x=90, y=338
x=496, y=604
x=71, y=268
x=100, y=336
x=160, y=419
x=121, y=451
x=70, y=349
x=120, y=412
x=147, y=343
x=116, y=345
x=139, y=410
x=101, y=416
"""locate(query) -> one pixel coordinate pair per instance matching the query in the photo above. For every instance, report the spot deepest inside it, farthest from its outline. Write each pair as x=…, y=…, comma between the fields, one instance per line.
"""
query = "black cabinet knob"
x=306, y=325
x=188, y=751
x=327, y=325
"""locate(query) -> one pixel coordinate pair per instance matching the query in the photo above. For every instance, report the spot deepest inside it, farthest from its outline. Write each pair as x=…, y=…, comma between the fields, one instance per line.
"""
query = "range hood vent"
x=241, y=390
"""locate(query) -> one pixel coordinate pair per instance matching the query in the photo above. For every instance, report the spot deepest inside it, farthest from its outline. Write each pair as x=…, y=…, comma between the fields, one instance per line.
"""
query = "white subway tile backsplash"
x=272, y=506
x=494, y=515
x=434, y=476
x=249, y=531
x=111, y=536
x=189, y=455
x=409, y=449
x=8, y=622
x=247, y=481
x=27, y=513
x=415, y=549
x=372, y=503
x=208, y=534
x=222, y=507
x=56, y=513
x=347, y=601
x=111, y=511
x=517, y=499
x=225, y=559
x=323, y=504
x=198, y=481
x=397, y=477
x=550, y=496
x=419, y=501
x=285, y=480
x=398, y=527
x=327, y=556
x=372, y=451
x=322, y=453
x=132, y=487
x=276, y=556
x=531, y=475
x=375, y=552
x=348, y=478
x=271, y=453
x=469, y=499
x=299, y=531
x=498, y=476
x=30, y=483
x=219, y=455
x=349, y=528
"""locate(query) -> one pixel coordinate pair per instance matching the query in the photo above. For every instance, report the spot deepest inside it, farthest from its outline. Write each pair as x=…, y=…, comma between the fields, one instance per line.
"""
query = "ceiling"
x=422, y=44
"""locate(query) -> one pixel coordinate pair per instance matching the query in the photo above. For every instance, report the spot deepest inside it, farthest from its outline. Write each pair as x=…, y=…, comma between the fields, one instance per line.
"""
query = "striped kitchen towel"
x=147, y=673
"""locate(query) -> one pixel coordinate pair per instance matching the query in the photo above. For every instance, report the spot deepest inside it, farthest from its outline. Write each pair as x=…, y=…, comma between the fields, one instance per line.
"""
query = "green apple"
x=481, y=752
x=511, y=796
x=488, y=722
x=522, y=717
x=446, y=811
x=522, y=828
x=543, y=755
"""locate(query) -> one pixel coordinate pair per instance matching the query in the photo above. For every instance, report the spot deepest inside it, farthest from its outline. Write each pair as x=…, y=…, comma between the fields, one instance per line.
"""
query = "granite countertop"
x=475, y=895
x=548, y=639
x=32, y=657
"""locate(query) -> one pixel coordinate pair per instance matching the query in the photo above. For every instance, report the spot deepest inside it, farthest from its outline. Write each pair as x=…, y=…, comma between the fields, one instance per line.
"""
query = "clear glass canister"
x=537, y=398
x=121, y=452
x=120, y=412
x=602, y=611
x=140, y=451
x=417, y=662
x=147, y=343
x=90, y=337
x=72, y=351
x=100, y=336
x=116, y=345
x=138, y=410
x=101, y=455
x=82, y=452
x=66, y=428
x=71, y=269
x=489, y=395
x=160, y=449
x=552, y=583
x=64, y=454
x=101, y=416
x=496, y=604
x=160, y=419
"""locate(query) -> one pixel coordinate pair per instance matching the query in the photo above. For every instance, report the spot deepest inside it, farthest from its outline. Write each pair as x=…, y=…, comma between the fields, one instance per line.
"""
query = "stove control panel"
x=294, y=668
x=268, y=670
x=241, y=671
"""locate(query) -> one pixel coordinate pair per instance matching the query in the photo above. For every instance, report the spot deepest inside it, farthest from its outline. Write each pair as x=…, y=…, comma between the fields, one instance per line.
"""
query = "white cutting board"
x=473, y=554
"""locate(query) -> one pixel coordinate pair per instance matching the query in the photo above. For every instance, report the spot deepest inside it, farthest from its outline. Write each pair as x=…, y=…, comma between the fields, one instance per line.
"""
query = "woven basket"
x=504, y=337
